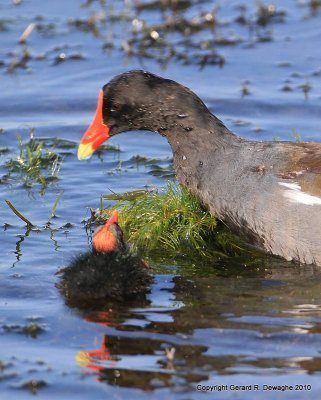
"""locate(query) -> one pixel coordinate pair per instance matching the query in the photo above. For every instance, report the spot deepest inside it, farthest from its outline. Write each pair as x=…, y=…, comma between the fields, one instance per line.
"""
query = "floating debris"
x=62, y=57
x=26, y=33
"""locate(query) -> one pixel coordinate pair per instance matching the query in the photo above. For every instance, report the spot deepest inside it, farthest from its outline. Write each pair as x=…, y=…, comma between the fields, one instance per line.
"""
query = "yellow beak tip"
x=85, y=151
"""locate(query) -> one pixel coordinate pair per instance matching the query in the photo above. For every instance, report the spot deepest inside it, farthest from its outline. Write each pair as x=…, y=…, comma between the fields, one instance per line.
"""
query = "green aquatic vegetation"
x=108, y=148
x=4, y=150
x=32, y=329
x=286, y=88
x=18, y=214
x=172, y=219
x=314, y=6
x=166, y=172
x=34, y=385
x=20, y=59
x=127, y=196
x=32, y=228
x=155, y=166
x=4, y=24
x=154, y=42
x=245, y=91
x=144, y=160
x=268, y=13
x=57, y=143
x=90, y=24
x=54, y=207
x=306, y=87
x=178, y=36
x=34, y=163
x=46, y=28
x=296, y=137
x=172, y=223
x=163, y=5
x=62, y=57
x=26, y=220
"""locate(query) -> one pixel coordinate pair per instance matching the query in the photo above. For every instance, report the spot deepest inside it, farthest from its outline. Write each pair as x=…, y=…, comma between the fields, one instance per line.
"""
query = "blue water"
x=262, y=329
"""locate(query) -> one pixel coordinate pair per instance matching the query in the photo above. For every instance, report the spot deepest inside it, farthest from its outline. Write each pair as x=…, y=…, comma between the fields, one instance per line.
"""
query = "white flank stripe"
x=295, y=194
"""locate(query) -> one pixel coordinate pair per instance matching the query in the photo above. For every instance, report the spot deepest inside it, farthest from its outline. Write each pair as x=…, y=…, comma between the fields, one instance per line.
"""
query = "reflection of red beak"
x=96, y=134
x=92, y=359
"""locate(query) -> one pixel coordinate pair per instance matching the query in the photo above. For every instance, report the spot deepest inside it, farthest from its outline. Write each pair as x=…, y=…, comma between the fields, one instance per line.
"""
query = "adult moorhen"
x=269, y=192
x=109, y=272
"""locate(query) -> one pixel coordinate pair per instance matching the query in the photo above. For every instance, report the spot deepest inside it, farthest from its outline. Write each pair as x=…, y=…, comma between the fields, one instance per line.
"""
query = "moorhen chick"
x=109, y=272
x=268, y=192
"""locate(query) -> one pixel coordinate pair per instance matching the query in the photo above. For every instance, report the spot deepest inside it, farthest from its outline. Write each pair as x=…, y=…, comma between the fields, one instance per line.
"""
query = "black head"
x=140, y=100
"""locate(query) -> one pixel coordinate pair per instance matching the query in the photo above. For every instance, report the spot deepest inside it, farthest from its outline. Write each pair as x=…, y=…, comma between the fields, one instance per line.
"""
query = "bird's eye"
x=116, y=107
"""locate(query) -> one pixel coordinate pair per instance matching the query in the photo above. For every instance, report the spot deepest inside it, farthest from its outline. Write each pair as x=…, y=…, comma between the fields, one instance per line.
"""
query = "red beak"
x=113, y=219
x=104, y=239
x=96, y=134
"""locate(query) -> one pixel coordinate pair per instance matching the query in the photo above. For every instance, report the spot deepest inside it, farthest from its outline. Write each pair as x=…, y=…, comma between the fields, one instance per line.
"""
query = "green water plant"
x=32, y=329
x=19, y=215
x=54, y=207
x=173, y=222
x=34, y=163
x=26, y=220
x=172, y=218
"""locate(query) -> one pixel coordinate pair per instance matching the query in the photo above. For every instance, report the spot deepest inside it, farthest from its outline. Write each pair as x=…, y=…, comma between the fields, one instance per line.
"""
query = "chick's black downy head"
x=110, y=272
